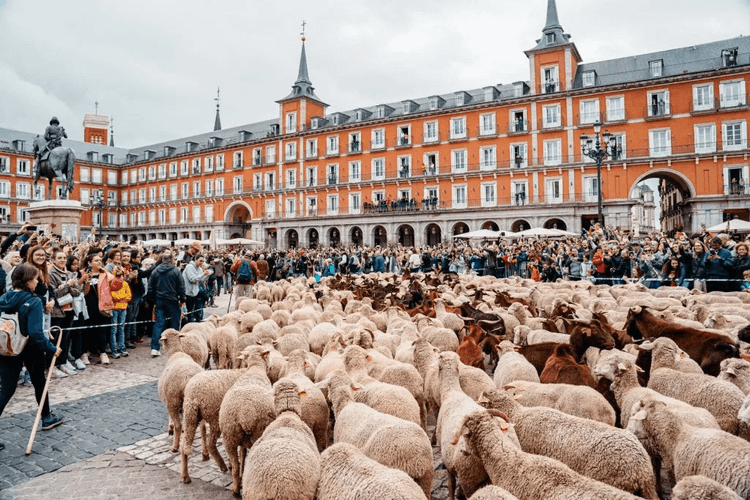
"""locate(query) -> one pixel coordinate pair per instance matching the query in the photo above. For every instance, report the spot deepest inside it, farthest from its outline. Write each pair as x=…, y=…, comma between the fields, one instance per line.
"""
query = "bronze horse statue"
x=60, y=165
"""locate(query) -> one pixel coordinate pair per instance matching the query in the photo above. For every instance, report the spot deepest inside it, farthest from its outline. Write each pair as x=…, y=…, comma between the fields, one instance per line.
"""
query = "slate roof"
x=81, y=149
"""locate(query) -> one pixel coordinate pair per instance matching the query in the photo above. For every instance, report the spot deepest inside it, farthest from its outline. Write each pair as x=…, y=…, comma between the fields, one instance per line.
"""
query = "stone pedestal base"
x=60, y=217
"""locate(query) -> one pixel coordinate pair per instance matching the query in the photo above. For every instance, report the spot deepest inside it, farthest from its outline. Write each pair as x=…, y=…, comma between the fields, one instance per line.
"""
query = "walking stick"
x=44, y=393
x=230, y=300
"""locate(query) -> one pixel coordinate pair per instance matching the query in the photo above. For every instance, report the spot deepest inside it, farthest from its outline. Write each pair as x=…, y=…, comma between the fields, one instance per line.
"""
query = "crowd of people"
x=106, y=297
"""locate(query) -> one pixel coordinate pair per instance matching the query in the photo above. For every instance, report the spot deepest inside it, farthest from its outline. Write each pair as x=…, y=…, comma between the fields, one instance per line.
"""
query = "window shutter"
x=743, y=97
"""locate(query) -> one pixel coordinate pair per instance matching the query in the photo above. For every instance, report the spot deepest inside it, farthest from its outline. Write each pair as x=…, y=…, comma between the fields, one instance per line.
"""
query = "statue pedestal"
x=61, y=217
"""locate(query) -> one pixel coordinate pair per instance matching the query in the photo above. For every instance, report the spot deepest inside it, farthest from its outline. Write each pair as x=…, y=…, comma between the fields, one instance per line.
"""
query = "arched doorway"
x=238, y=213
x=460, y=228
x=292, y=238
x=380, y=236
x=312, y=238
x=406, y=235
x=520, y=225
x=661, y=200
x=334, y=237
x=433, y=235
x=556, y=224
x=490, y=225
x=356, y=236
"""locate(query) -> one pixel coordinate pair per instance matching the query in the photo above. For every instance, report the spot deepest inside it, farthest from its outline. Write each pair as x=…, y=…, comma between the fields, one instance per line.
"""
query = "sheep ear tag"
x=368, y=358
x=683, y=355
x=302, y=393
x=306, y=365
x=504, y=426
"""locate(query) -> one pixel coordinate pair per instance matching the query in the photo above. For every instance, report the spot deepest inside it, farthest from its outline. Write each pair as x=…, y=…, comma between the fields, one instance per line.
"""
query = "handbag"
x=65, y=299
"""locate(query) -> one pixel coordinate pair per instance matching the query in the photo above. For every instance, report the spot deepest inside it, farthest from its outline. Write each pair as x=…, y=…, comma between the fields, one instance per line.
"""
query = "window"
x=112, y=177
x=732, y=94
x=291, y=123
x=355, y=144
x=404, y=167
x=431, y=195
x=97, y=219
x=123, y=177
x=312, y=148
x=458, y=128
x=355, y=172
x=354, y=203
x=162, y=193
x=152, y=217
x=208, y=163
x=590, y=189
x=185, y=191
x=196, y=189
x=658, y=103
x=332, y=145
x=209, y=188
x=551, y=116
x=184, y=168
x=183, y=215
x=123, y=220
x=38, y=192
x=734, y=135
x=703, y=97
x=518, y=121
x=124, y=198
x=312, y=176
x=172, y=216
x=163, y=171
x=430, y=131
x=553, y=191
x=660, y=142
x=434, y=103
x=237, y=184
x=173, y=192
x=430, y=164
x=22, y=191
x=589, y=78
x=22, y=167
x=378, y=138
x=458, y=157
x=152, y=173
x=655, y=68
x=615, y=109
x=488, y=158
x=519, y=155
x=172, y=170
x=333, y=204
x=219, y=162
x=270, y=154
x=85, y=196
x=85, y=174
x=312, y=206
x=550, y=37
x=705, y=138
x=488, y=195
x=487, y=124
x=459, y=196
x=133, y=218
x=134, y=196
x=729, y=57
x=237, y=159
x=735, y=179
x=620, y=144
x=550, y=80
x=270, y=181
x=291, y=207
x=219, y=187
x=378, y=169
x=162, y=217
x=197, y=213
x=333, y=174
x=404, y=135
x=291, y=178
x=589, y=112
x=141, y=195
x=152, y=194
x=291, y=150
x=553, y=152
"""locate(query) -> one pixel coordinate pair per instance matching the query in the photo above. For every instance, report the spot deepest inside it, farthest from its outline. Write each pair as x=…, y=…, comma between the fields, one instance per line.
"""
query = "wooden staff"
x=44, y=392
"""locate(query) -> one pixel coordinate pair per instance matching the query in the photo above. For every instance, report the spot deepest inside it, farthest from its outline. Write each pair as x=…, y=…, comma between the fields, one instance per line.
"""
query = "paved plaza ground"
x=113, y=444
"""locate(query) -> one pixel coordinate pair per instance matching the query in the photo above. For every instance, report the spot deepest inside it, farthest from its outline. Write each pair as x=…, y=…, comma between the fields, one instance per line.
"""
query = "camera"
x=31, y=228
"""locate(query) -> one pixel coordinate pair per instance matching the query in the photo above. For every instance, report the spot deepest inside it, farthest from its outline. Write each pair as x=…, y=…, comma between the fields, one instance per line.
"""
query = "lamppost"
x=99, y=203
x=598, y=154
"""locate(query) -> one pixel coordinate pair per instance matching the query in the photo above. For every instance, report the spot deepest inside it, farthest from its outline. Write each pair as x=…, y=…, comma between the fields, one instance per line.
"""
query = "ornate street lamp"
x=99, y=203
x=592, y=148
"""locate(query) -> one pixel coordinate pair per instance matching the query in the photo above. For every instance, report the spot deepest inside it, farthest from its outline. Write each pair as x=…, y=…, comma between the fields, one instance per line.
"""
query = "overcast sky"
x=155, y=65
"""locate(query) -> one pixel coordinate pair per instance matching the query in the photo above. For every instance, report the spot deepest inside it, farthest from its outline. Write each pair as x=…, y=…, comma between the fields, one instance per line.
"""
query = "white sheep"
x=347, y=474
x=737, y=372
x=247, y=408
x=223, y=346
x=512, y=366
x=687, y=451
x=172, y=381
x=284, y=464
x=191, y=343
x=702, y=488
x=492, y=492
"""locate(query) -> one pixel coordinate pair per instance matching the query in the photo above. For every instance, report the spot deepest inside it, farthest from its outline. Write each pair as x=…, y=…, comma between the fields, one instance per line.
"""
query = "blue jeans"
x=166, y=315
x=132, y=317
x=117, y=336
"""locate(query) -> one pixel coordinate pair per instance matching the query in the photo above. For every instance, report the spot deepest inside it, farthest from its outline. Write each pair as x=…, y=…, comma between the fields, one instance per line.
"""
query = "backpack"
x=244, y=274
x=12, y=341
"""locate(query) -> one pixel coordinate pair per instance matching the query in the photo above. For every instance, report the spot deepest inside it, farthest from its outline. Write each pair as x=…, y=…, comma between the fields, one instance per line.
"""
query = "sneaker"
x=69, y=366
x=116, y=355
x=51, y=421
x=129, y=345
x=26, y=379
x=80, y=365
x=85, y=359
x=57, y=373
x=124, y=354
x=140, y=340
x=155, y=353
x=66, y=370
x=104, y=359
x=22, y=376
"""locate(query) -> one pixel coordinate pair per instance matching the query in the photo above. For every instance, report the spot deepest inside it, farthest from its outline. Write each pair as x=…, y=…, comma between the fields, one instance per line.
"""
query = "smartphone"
x=88, y=270
x=31, y=228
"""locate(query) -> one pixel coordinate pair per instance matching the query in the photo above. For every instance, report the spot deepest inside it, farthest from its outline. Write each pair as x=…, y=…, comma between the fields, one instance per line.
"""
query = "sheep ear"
x=356, y=387
x=730, y=371
x=265, y=353
x=639, y=369
x=508, y=387
x=516, y=348
x=640, y=415
x=622, y=368
x=646, y=346
x=482, y=400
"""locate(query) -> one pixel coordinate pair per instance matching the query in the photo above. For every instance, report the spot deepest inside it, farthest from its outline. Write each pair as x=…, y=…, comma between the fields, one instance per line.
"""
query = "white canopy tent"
x=239, y=241
x=541, y=232
x=484, y=234
x=739, y=225
x=156, y=242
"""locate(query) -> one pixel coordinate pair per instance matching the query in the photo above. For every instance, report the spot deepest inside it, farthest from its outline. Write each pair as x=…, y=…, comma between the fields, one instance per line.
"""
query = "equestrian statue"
x=54, y=161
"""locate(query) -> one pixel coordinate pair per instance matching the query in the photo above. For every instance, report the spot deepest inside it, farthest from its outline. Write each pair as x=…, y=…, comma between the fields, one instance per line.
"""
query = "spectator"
x=718, y=266
x=121, y=297
x=193, y=275
x=166, y=290
x=65, y=286
x=741, y=264
x=245, y=279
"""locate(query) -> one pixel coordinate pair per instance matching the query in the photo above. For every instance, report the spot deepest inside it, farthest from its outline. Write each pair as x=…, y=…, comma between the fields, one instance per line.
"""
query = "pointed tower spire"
x=303, y=86
x=217, y=122
x=552, y=21
x=112, y=132
x=552, y=33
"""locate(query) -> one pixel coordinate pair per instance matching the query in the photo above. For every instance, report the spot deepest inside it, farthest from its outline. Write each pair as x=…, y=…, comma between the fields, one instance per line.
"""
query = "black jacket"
x=166, y=283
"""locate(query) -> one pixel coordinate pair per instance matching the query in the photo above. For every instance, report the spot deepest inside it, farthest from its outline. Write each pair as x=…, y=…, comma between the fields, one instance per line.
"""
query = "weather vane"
x=218, y=90
x=303, y=29
x=96, y=107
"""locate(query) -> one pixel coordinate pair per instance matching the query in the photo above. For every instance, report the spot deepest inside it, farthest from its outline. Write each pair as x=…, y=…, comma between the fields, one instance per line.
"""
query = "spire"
x=217, y=122
x=303, y=86
x=552, y=33
x=112, y=132
x=302, y=76
x=552, y=21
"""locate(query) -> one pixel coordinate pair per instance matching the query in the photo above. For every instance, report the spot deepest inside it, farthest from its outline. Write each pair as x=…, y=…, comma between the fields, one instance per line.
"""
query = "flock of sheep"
x=318, y=394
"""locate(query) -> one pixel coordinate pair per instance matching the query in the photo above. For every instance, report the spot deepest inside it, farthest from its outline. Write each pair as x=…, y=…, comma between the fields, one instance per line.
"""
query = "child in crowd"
x=121, y=295
x=746, y=281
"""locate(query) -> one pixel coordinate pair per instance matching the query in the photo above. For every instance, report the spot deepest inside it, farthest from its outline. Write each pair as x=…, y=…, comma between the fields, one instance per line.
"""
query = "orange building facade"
x=419, y=171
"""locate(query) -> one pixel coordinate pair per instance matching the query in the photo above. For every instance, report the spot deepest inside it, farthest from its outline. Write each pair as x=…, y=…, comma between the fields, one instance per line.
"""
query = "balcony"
x=587, y=119
x=403, y=141
x=311, y=154
x=487, y=131
x=333, y=180
x=615, y=116
x=732, y=102
x=551, y=125
x=404, y=172
x=374, y=146
x=738, y=187
x=355, y=147
x=550, y=87
x=658, y=111
x=518, y=127
x=700, y=106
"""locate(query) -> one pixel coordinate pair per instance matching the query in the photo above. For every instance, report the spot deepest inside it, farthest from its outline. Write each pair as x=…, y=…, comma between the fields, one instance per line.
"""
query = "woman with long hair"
x=22, y=301
x=699, y=265
x=80, y=314
x=37, y=257
x=65, y=286
x=100, y=325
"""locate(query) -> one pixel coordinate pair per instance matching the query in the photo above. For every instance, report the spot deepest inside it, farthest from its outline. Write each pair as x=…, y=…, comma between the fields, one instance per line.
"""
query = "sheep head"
x=255, y=355
x=286, y=395
x=472, y=422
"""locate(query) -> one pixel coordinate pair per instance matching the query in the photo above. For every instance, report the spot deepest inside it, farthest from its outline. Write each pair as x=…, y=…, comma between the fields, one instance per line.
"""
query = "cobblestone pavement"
x=113, y=444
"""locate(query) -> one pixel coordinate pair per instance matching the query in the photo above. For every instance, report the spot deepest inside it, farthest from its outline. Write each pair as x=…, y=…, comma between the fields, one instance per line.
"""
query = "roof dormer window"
x=550, y=37
x=729, y=57
x=589, y=78
x=655, y=68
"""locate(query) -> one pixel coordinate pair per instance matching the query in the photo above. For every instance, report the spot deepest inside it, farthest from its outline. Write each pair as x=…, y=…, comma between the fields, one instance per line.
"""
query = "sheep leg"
x=451, y=485
x=204, y=442
x=184, y=468
x=175, y=426
x=425, y=482
x=234, y=462
x=423, y=416
x=190, y=423
x=213, y=436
